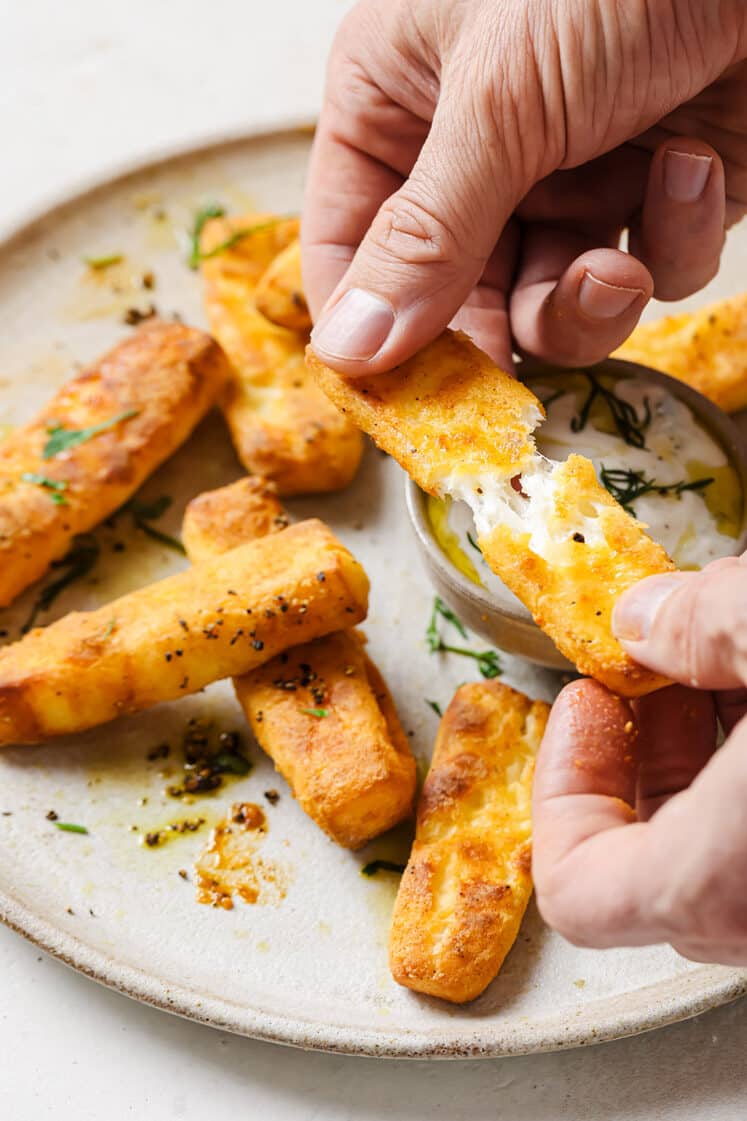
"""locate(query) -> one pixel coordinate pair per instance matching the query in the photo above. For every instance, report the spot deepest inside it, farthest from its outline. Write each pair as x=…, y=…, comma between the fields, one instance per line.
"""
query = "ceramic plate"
x=307, y=964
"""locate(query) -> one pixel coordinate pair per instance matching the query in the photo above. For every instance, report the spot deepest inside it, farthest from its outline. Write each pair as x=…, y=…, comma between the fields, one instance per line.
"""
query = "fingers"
x=588, y=851
x=572, y=307
x=677, y=736
x=691, y=627
x=424, y=251
x=484, y=315
x=681, y=230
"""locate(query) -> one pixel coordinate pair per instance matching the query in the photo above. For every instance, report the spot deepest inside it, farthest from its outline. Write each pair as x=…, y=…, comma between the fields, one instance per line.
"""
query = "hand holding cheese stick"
x=321, y=711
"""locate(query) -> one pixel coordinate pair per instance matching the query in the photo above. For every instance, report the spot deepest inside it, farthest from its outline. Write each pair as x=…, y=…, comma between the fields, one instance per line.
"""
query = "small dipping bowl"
x=494, y=613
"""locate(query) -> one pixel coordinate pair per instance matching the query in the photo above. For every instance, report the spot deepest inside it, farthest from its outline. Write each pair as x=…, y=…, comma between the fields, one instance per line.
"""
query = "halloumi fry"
x=468, y=880
x=706, y=348
x=282, y=425
x=97, y=440
x=223, y=617
x=321, y=711
x=280, y=294
x=463, y=428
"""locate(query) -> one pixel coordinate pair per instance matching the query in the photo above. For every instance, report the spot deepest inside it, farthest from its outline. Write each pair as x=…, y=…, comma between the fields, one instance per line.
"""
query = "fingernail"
x=600, y=300
x=356, y=328
x=634, y=613
x=685, y=175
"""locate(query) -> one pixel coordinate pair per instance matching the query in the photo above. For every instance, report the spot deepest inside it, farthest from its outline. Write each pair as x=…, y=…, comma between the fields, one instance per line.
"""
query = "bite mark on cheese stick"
x=468, y=880
x=282, y=425
x=220, y=618
x=280, y=295
x=707, y=349
x=462, y=427
x=161, y=382
x=321, y=711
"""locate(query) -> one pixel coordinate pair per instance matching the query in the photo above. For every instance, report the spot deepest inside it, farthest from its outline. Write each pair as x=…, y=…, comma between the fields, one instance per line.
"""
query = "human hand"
x=640, y=825
x=477, y=161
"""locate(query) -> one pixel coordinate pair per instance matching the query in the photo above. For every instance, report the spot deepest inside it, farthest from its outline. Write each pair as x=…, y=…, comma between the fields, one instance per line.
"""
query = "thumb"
x=425, y=249
x=689, y=626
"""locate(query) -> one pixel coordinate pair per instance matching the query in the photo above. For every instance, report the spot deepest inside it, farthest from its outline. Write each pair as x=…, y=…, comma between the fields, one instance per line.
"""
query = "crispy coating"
x=351, y=770
x=282, y=426
x=350, y=767
x=468, y=880
x=167, y=376
x=219, y=520
x=280, y=295
x=447, y=410
x=222, y=617
x=459, y=425
x=707, y=349
x=572, y=596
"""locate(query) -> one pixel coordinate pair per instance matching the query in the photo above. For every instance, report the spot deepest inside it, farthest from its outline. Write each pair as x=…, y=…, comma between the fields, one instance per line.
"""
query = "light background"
x=88, y=86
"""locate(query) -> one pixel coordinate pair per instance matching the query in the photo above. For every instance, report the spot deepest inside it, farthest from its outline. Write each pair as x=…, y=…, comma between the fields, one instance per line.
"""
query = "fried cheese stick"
x=280, y=295
x=468, y=880
x=282, y=425
x=321, y=711
x=462, y=427
x=97, y=440
x=220, y=618
x=706, y=348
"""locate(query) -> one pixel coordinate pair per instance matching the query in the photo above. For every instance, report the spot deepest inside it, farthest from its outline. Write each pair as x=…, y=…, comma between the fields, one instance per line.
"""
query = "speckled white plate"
x=310, y=970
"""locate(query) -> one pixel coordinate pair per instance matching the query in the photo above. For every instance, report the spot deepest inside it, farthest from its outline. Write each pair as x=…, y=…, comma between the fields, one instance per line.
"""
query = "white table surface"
x=86, y=86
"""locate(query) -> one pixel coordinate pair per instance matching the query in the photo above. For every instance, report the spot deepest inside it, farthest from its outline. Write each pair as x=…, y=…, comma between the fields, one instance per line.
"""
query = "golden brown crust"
x=167, y=376
x=283, y=427
x=447, y=409
x=707, y=349
x=219, y=520
x=351, y=770
x=220, y=618
x=449, y=414
x=348, y=771
x=572, y=598
x=467, y=882
x=280, y=295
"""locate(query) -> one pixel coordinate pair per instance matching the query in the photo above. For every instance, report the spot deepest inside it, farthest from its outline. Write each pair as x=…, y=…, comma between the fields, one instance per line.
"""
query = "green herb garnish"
x=212, y=210
x=99, y=263
x=61, y=438
x=624, y=416
x=553, y=397
x=79, y=560
x=234, y=239
x=320, y=713
x=488, y=661
x=231, y=763
x=55, y=486
x=375, y=866
x=626, y=485
x=145, y=512
x=69, y=827
x=473, y=543
x=109, y=629
x=435, y=706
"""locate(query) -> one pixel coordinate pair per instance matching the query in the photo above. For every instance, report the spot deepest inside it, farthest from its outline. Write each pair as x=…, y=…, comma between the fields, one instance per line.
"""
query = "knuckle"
x=407, y=228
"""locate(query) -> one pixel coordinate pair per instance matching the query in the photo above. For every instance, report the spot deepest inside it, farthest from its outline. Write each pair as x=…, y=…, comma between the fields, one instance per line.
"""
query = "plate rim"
x=679, y=998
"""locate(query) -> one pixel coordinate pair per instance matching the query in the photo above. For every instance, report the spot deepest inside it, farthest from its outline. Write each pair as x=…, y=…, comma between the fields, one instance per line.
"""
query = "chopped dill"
x=626, y=485
x=375, y=866
x=624, y=416
x=488, y=661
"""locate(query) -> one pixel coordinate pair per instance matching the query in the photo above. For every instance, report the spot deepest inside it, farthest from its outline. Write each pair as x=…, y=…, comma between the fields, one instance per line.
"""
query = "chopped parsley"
x=375, y=866
x=55, y=486
x=488, y=661
x=626, y=485
x=79, y=560
x=69, y=827
x=62, y=439
x=435, y=706
x=320, y=713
